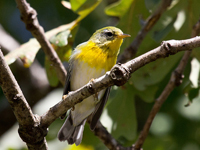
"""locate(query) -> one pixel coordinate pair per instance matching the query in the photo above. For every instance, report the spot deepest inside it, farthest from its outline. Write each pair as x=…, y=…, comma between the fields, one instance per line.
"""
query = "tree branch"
x=101, y=132
x=14, y=95
x=130, y=51
x=118, y=75
x=175, y=80
x=28, y=80
x=28, y=123
x=29, y=17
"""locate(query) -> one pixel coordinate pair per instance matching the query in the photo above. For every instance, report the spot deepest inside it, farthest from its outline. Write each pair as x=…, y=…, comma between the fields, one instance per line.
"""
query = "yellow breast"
x=96, y=57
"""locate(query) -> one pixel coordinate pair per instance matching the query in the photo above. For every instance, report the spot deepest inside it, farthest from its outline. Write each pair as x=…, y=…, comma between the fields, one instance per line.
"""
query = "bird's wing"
x=67, y=81
x=99, y=109
x=67, y=85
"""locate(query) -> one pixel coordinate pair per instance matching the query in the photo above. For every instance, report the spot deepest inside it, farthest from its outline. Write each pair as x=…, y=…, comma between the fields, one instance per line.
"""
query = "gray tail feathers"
x=73, y=134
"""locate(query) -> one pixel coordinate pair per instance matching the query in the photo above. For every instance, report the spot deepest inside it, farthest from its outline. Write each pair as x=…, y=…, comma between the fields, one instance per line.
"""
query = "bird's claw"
x=96, y=93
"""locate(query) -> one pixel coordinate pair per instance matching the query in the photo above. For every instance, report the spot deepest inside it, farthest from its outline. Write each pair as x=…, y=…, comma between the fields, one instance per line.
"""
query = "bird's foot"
x=96, y=93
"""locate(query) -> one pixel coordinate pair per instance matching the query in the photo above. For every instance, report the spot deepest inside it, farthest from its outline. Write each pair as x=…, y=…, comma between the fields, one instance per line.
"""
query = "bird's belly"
x=81, y=75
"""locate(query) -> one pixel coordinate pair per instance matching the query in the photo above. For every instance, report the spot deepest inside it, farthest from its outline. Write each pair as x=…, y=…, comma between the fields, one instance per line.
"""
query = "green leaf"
x=61, y=39
x=76, y=4
x=121, y=111
x=190, y=91
x=148, y=94
x=168, y=26
x=196, y=53
x=28, y=51
x=84, y=7
x=88, y=134
x=154, y=72
x=87, y=8
x=194, y=74
x=62, y=43
x=193, y=93
x=51, y=73
x=129, y=22
x=119, y=8
x=152, y=4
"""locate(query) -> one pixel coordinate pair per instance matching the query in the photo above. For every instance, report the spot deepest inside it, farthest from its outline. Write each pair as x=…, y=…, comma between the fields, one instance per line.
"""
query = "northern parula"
x=89, y=60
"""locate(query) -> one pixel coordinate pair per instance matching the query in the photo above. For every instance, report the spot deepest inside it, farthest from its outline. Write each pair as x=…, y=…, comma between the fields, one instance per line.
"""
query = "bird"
x=88, y=61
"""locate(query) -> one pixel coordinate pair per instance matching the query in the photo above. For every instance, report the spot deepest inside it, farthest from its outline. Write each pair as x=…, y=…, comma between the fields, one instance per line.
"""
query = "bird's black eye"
x=109, y=34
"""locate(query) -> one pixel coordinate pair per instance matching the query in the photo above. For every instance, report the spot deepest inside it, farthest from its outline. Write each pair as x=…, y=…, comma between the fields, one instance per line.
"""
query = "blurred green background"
x=175, y=127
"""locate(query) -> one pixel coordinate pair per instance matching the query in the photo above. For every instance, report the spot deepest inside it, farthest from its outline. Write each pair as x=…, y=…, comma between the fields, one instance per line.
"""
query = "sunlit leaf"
x=76, y=4
x=61, y=39
x=28, y=51
x=194, y=74
x=162, y=124
x=119, y=8
x=83, y=7
x=87, y=8
x=81, y=147
x=66, y=4
x=62, y=43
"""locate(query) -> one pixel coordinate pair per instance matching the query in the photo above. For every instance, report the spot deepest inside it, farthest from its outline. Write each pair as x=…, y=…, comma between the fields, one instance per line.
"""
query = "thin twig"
x=175, y=80
x=130, y=51
x=29, y=16
x=101, y=132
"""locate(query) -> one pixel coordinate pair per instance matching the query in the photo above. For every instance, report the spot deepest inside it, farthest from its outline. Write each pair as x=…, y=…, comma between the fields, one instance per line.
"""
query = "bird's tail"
x=73, y=134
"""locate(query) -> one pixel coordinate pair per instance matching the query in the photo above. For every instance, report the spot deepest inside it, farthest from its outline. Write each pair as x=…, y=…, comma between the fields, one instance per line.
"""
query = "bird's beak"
x=123, y=36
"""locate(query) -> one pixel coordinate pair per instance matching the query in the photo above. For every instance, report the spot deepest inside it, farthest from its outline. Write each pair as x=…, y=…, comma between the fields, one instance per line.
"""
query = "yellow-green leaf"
x=119, y=8
x=28, y=51
x=51, y=73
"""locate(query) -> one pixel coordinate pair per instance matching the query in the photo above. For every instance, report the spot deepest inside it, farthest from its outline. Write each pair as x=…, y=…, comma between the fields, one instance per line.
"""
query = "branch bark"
x=27, y=121
x=28, y=80
x=111, y=143
x=29, y=17
x=175, y=80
